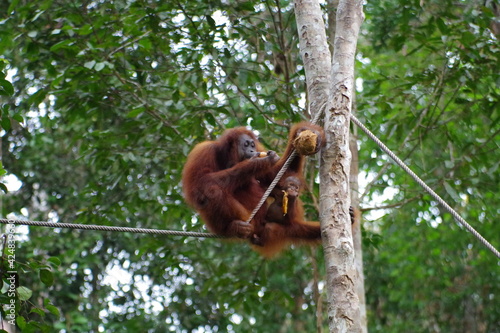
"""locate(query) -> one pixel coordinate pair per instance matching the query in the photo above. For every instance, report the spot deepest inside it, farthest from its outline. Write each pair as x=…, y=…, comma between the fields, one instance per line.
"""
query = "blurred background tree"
x=109, y=97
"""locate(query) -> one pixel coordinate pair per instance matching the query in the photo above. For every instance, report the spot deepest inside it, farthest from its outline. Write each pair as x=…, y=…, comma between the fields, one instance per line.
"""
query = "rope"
x=443, y=203
x=282, y=171
x=399, y=162
x=273, y=184
x=165, y=232
x=110, y=228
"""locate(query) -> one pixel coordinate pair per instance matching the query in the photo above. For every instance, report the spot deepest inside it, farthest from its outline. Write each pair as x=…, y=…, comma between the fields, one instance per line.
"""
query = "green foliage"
x=6, y=89
x=430, y=91
x=107, y=98
x=113, y=97
x=16, y=298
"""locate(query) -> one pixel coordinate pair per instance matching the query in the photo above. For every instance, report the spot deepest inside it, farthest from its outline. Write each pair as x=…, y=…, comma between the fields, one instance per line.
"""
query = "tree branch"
x=336, y=88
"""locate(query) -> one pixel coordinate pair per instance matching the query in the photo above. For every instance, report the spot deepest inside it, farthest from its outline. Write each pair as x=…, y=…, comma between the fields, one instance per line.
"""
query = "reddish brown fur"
x=225, y=190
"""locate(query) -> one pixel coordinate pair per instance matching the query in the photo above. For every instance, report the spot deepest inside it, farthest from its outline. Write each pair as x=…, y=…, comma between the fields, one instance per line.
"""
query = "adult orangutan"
x=226, y=178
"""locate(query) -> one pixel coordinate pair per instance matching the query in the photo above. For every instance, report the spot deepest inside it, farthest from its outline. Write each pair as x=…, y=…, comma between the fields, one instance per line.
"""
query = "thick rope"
x=110, y=228
x=273, y=184
x=281, y=172
x=443, y=203
x=399, y=162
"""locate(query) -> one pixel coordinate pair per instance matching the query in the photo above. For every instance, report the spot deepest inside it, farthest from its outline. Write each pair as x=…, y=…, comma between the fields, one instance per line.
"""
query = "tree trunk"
x=356, y=227
x=337, y=91
x=343, y=309
x=332, y=6
x=314, y=51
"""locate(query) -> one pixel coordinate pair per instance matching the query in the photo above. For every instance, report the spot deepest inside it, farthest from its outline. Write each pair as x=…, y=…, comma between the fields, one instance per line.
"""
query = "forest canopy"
x=101, y=101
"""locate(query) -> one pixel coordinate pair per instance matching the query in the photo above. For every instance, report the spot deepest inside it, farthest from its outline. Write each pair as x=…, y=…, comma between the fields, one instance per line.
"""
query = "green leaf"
x=80, y=320
x=46, y=277
x=2, y=170
x=89, y=64
x=7, y=89
x=451, y=191
x=37, y=97
x=17, y=117
x=85, y=30
x=135, y=112
x=5, y=123
x=245, y=6
x=211, y=22
x=146, y=43
x=449, y=164
x=60, y=45
x=442, y=26
x=55, y=260
x=467, y=37
x=210, y=119
x=38, y=311
x=52, y=309
x=24, y=293
x=38, y=13
x=99, y=66
x=13, y=5
x=21, y=322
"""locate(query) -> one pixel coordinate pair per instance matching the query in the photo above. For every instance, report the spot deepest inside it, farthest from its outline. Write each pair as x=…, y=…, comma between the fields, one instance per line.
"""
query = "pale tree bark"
x=316, y=57
x=335, y=89
x=344, y=311
x=331, y=6
x=314, y=51
x=356, y=227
